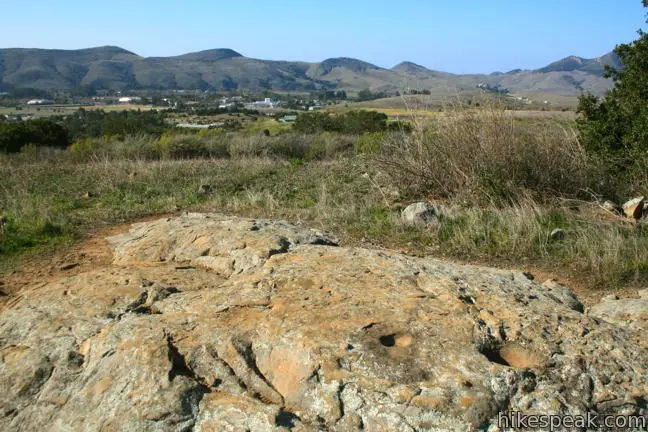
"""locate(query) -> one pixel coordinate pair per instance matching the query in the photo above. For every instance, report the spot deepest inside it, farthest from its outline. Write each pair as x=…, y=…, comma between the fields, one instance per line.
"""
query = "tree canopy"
x=617, y=125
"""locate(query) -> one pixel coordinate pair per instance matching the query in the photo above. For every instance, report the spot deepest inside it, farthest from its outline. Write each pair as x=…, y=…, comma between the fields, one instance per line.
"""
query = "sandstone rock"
x=282, y=331
x=634, y=208
x=630, y=313
x=622, y=311
x=421, y=213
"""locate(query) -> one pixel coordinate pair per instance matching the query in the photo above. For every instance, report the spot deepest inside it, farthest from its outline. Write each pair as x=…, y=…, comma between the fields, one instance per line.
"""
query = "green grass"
x=47, y=205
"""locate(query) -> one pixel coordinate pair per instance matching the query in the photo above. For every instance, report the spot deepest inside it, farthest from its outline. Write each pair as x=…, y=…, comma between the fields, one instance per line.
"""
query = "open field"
x=44, y=111
x=419, y=106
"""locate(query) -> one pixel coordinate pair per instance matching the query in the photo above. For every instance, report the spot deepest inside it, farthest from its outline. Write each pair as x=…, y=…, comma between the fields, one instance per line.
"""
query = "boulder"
x=634, y=208
x=284, y=330
x=421, y=213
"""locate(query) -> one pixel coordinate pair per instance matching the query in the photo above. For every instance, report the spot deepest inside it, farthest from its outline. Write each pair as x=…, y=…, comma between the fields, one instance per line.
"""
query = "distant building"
x=266, y=103
x=130, y=99
x=40, y=102
x=288, y=119
x=200, y=126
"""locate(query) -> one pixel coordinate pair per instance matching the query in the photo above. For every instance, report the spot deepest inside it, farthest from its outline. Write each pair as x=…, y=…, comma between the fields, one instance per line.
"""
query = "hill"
x=222, y=69
x=593, y=66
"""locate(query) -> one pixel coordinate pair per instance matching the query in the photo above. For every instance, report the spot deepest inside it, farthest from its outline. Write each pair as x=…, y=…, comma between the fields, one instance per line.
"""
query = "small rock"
x=89, y=195
x=69, y=266
x=634, y=208
x=204, y=189
x=557, y=234
x=421, y=213
x=528, y=275
x=612, y=207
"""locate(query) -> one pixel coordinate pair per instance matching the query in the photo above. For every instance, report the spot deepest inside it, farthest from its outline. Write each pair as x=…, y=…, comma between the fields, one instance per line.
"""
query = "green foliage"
x=617, y=126
x=92, y=124
x=369, y=142
x=41, y=133
x=352, y=122
x=367, y=95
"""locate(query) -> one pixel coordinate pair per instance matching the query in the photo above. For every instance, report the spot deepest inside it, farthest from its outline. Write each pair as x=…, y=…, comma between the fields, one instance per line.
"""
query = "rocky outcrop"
x=630, y=313
x=213, y=323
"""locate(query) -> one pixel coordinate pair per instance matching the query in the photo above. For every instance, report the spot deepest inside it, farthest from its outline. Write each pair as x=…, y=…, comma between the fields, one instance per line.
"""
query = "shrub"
x=42, y=133
x=488, y=155
x=369, y=142
x=352, y=122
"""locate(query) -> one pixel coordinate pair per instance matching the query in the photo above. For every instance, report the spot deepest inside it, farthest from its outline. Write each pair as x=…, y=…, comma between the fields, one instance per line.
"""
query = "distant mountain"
x=594, y=66
x=115, y=68
x=209, y=55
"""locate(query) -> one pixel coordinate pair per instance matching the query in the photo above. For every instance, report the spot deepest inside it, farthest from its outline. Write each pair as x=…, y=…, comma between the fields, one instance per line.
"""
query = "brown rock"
x=634, y=208
x=282, y=331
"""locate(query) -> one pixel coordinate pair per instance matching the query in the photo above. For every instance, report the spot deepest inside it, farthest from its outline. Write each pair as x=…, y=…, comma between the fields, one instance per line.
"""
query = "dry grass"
x=498, y=178
x=487, y=155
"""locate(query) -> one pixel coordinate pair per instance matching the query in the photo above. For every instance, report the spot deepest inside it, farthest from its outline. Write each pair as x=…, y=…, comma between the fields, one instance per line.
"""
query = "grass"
x=505, y=191
x=44, y=111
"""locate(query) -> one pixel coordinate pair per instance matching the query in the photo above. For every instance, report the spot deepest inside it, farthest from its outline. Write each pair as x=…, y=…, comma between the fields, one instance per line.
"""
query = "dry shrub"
x=489, y=155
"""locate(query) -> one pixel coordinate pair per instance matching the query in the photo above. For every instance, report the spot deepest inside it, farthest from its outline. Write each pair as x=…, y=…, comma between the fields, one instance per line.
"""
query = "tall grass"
x=488, y=155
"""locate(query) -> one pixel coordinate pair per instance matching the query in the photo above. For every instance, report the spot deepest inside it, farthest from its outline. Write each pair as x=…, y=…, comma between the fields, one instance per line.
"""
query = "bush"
x=369, y=142
x=97, y=123
x=203, y=145
x=42, y=133
x=352, y=122
x=487, y=155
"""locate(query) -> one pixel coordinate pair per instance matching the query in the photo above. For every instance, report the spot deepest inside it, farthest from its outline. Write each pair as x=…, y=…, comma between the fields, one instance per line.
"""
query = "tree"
x=15, y=135
x=617, y=126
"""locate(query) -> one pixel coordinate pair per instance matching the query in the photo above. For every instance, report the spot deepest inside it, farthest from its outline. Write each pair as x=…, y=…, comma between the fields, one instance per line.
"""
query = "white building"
x=40, y=102
x=130, y=99
x=266, y=103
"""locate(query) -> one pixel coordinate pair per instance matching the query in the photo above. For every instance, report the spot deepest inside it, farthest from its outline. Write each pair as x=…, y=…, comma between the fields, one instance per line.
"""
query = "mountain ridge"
x=115, y=68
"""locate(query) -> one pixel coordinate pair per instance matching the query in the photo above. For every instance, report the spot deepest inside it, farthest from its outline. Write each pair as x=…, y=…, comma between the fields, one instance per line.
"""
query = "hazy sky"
x=453, y=36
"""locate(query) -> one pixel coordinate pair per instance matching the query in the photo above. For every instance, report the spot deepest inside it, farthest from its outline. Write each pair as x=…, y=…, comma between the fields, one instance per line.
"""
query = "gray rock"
x=630, y=313
x=422, y=213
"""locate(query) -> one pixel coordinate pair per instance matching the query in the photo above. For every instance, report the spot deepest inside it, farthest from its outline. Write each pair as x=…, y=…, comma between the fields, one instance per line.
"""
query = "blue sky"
x=454, y=36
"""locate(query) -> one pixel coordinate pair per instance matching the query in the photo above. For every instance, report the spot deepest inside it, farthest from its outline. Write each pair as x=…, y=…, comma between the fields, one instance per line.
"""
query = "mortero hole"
x=388, y=340
x=494, y=356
